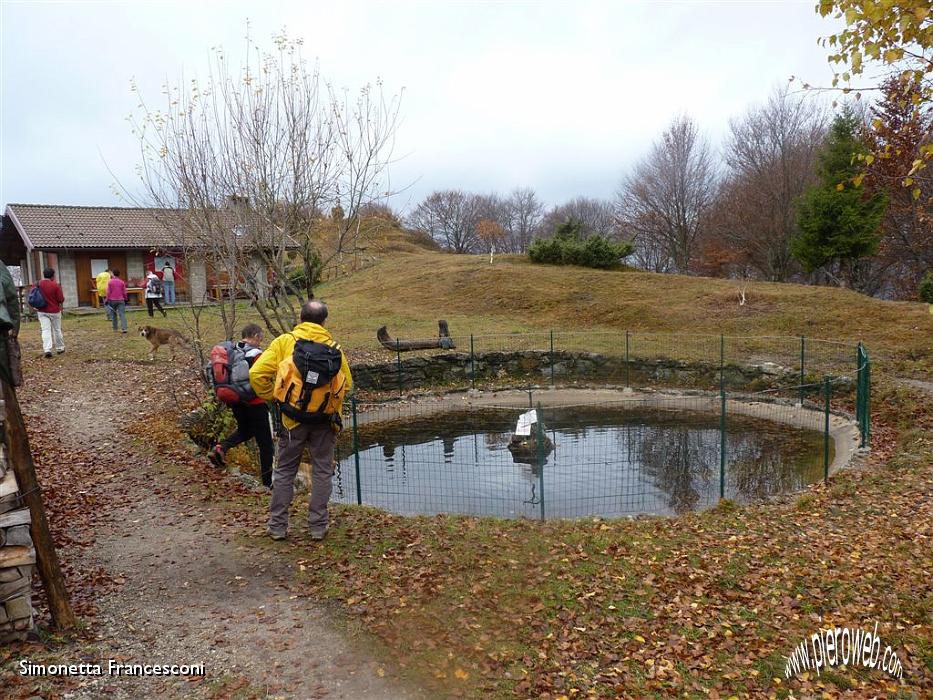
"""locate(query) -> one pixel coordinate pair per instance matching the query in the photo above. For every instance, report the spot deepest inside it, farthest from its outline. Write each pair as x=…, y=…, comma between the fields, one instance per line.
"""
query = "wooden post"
x=25, y=471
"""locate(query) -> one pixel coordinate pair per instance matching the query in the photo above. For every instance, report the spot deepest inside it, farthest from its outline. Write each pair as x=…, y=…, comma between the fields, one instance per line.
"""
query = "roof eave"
x=19, y=228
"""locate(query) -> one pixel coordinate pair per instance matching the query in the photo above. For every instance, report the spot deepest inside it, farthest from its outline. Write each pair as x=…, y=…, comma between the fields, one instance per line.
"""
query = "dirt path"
x=189, y=588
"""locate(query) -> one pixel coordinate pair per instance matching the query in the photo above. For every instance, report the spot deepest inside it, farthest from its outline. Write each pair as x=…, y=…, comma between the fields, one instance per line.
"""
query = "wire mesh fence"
x=629, y=359
x=648, y=452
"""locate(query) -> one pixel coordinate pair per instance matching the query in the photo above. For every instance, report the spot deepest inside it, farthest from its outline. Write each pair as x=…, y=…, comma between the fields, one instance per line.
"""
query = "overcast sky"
x=563, y=97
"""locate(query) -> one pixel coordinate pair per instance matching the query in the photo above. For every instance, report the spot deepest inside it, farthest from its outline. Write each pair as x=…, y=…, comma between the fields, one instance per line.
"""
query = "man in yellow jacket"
x=101, y=281
x=319, y=438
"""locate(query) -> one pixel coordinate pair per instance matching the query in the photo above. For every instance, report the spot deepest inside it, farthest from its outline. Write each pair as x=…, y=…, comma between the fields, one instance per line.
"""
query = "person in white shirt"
x=168, y=283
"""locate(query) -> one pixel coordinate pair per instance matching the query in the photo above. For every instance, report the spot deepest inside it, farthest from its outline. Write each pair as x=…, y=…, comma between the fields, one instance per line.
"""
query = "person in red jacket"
x=50, y=316
x=252, y=418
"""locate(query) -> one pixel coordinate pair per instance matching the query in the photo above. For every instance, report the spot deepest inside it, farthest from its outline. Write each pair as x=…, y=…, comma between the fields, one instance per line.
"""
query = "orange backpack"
x=309, y=383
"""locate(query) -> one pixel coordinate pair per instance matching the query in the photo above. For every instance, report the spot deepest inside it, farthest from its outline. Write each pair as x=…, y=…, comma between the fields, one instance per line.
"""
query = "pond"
x=604, y=462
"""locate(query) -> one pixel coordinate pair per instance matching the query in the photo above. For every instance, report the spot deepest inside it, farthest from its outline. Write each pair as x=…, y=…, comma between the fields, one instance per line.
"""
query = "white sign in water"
x=525, y=421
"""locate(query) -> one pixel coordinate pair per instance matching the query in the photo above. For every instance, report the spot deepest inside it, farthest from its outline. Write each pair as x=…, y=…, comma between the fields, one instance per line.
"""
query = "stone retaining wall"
x=569, y=367
x=17, y=556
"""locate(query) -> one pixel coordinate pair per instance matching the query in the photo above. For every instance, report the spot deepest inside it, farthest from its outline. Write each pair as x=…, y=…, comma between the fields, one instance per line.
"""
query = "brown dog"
x=161, y=336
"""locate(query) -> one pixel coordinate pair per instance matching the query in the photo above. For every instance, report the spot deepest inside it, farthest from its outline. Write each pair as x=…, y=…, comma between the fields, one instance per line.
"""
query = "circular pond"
x=603, y=460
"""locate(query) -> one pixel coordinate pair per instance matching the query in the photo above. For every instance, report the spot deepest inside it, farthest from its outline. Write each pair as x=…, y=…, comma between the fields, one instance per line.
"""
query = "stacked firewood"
x=17, y=555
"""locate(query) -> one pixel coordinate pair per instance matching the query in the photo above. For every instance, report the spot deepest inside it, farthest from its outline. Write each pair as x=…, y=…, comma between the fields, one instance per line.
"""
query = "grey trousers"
x=319, y=439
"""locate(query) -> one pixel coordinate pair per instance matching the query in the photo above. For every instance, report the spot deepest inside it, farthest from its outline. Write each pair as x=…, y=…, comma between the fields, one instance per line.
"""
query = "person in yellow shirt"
x=101, y=280
x=318, y=437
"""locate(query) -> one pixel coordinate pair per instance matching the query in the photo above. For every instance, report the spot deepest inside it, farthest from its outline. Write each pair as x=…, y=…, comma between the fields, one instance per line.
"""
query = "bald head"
x=313, y=311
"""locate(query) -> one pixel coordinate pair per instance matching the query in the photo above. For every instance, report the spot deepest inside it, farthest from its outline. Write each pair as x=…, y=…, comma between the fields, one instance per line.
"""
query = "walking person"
x=252, y=415
x=154, y=294
x=50, y=315
x=306, y=373
x=168, y=283
x=117, y=299
x=101, y=281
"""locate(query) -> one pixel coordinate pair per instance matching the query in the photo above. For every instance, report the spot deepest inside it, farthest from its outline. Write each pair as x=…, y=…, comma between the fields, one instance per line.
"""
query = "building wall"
x=197, y=279
x=68, y=279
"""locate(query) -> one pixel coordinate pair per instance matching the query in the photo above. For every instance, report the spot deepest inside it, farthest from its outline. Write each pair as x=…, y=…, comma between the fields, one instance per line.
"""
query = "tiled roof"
x=55, y=227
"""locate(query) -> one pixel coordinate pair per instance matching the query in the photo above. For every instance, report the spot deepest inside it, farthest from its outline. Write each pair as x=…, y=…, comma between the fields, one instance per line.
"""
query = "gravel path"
x=190, y=587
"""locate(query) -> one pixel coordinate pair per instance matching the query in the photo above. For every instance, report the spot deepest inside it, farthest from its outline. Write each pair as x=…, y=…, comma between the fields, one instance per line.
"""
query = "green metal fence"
x=628, y=359
x=661, y=452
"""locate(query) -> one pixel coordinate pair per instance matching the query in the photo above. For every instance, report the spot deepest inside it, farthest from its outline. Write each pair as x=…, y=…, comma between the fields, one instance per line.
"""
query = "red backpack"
x=229, y=373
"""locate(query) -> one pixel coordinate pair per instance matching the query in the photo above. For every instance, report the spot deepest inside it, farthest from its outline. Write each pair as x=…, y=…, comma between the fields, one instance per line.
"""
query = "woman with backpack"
x=50, y=315
x=154, y=294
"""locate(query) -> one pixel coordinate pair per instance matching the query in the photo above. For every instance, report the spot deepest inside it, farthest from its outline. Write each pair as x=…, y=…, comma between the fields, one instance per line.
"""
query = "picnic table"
x=137, y=294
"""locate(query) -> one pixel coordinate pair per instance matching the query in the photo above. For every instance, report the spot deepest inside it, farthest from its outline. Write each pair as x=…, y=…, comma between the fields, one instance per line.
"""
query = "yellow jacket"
x=102, y=279
x=262, y=373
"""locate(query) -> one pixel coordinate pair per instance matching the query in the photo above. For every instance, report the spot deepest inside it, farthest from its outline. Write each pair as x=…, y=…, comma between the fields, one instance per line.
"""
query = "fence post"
x=539, y=426
x=722, y=362
x=628, y=383
x=827, y=396
x=803, y=351
x=859, y=395
x=552, y=357
x=398, y=363
x=472, y=365
x=356, y=452
x=867, y=411
x=722, y=442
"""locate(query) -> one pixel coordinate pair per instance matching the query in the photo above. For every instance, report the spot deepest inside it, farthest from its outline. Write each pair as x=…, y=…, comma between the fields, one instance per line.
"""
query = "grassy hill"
x=409, y=290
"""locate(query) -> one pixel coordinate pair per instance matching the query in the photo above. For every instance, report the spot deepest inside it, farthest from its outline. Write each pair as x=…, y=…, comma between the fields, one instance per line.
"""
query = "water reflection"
x=604, y=462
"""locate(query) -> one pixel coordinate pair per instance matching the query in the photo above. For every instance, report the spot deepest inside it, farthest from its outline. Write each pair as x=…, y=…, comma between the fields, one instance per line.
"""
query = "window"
x=98, y=265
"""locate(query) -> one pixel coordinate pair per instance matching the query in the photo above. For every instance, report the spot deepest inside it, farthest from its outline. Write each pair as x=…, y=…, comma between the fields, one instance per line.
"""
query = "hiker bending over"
x=250, y=412
x=306, y=373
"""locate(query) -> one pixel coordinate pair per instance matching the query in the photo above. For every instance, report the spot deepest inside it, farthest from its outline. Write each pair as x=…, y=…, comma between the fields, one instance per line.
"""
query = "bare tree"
x=450, y=218
x=250, y=157
x=521, y=218
x=663, y=204
x=771, y=155
x=594, y=216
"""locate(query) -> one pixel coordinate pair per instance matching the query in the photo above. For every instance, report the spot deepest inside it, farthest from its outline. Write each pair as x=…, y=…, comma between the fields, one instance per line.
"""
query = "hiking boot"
x=48, y=354
x=275, y=534
x=216, y=455
x=317, y=534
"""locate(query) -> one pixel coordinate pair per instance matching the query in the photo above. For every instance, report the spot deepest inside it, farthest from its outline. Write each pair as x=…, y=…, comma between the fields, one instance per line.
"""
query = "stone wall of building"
x=68, y=279
x=197, y=280
x=17, y=556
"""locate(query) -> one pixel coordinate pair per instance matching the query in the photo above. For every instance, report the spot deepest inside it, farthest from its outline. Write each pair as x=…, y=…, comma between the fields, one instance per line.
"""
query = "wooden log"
x=25, y=469
x=11, y=589
x=17, y=536
x=14, y=573
x=10, y=502
x=17, y=556
x=15, y=517
x=443, y=341
x=8, y=485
